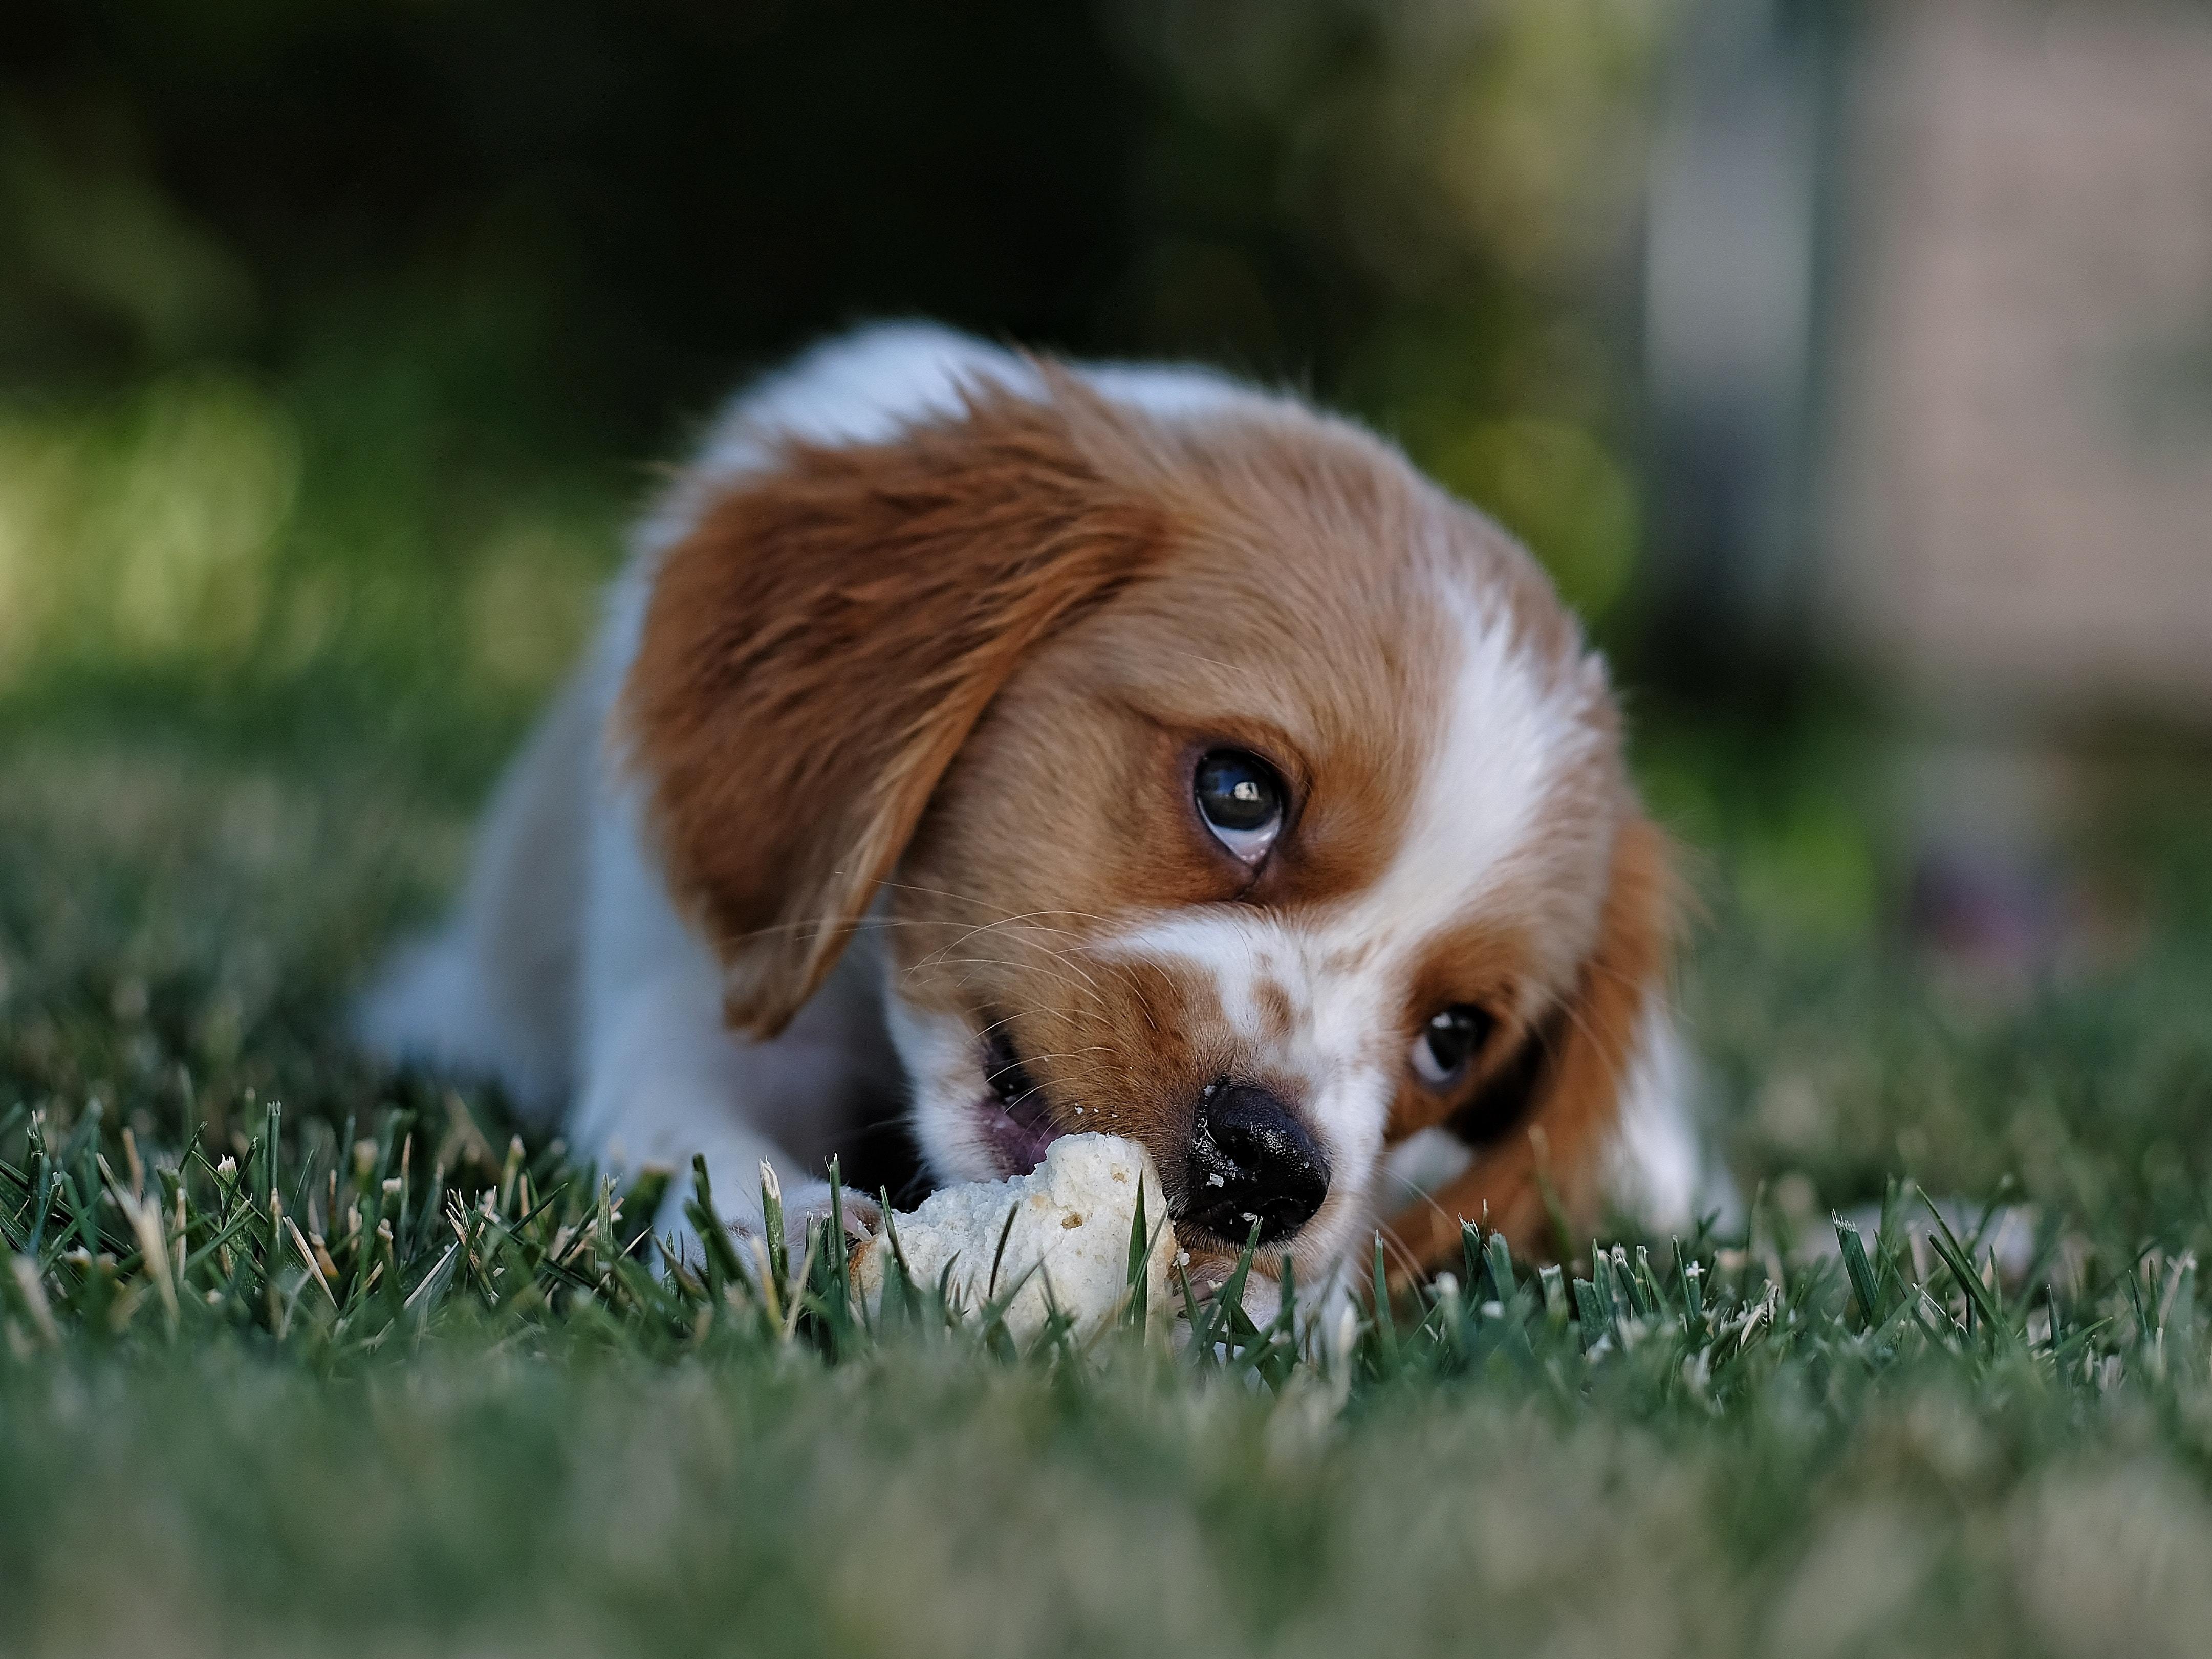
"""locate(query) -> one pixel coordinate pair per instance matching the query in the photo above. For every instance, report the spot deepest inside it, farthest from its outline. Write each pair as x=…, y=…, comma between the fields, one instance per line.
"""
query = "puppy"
x=1042, y=749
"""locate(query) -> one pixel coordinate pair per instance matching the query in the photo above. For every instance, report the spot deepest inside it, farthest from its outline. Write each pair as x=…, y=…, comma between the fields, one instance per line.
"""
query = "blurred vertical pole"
x=1734, y=299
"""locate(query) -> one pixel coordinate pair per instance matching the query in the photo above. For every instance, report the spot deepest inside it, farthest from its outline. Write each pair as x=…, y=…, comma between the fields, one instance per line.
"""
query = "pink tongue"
x=1020, y=1136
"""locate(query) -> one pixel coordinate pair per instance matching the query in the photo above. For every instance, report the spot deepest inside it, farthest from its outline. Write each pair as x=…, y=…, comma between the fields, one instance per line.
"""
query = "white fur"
x=431, y=1004
x=636, y=1043
x=1662, y=1170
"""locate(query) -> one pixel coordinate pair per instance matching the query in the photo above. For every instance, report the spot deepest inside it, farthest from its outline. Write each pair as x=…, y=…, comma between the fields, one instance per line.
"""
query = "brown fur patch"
x=1294, y=618
x=816, y=650
x=1577, y=1087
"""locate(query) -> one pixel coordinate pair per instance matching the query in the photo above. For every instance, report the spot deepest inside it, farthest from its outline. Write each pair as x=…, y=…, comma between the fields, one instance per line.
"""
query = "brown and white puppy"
x=1081, y=748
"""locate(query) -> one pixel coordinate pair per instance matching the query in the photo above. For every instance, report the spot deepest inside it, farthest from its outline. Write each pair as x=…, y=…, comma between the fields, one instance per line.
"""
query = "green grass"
x=465, y=1443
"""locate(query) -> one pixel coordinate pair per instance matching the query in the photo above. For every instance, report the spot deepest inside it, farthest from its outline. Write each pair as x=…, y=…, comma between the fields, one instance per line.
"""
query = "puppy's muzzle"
x=1251, y=1160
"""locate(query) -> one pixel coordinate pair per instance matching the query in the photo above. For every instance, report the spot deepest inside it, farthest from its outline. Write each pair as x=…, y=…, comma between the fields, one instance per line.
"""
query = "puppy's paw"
x=805, y=1206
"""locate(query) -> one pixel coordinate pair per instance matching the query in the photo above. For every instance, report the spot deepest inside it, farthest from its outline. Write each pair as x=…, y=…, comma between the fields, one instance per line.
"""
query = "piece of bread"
x=1073, y=1216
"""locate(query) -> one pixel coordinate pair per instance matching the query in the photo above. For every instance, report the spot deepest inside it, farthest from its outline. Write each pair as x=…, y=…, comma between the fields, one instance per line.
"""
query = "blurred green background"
x=336, y=340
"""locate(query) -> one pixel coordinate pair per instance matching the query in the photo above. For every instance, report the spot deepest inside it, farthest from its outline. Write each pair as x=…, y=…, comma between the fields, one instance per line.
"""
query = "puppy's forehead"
x=1454, y=740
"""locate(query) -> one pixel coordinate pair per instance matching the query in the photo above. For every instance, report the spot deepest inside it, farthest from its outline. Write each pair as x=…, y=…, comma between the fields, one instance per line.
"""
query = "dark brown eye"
x=1240, y=800
x=1448, y=1043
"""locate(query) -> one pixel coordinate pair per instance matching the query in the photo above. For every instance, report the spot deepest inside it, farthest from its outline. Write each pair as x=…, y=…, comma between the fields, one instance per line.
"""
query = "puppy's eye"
x=1240, y=800
x=1449, y=1042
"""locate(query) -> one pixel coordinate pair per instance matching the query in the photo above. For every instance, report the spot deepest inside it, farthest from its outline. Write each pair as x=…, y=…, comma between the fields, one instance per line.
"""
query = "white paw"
x=804, y=1204
x=807, y=1205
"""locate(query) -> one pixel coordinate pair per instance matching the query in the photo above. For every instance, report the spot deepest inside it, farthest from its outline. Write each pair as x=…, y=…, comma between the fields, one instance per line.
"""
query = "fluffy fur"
x=885, y=755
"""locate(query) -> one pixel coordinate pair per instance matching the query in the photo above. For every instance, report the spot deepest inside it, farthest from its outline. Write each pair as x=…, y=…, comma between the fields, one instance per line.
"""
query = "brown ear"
x=818, y=648
x=1572, y=1079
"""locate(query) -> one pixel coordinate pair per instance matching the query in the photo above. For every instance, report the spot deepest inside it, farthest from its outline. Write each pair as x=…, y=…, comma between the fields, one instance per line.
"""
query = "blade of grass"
x=1858, y=1270
x=1945, y=1244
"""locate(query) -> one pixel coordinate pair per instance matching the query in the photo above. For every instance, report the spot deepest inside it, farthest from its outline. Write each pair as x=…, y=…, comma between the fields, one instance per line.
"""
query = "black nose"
x=1251, y=1160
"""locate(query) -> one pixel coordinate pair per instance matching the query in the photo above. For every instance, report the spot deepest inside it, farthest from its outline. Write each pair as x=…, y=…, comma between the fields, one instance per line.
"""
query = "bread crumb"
x=1072, y=1215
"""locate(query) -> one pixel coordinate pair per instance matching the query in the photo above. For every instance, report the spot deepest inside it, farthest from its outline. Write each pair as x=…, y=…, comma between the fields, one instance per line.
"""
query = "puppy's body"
x=878, y=789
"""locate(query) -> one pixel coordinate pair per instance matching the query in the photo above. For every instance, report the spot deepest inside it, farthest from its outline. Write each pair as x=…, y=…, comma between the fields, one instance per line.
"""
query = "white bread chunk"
x=1072, y=1214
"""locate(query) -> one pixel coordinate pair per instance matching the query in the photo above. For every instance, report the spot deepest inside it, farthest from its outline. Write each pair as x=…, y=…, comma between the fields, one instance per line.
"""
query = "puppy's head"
x=1222, y=783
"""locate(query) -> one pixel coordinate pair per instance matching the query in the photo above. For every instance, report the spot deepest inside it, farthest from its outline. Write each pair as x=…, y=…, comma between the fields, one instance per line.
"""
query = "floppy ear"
x=816, y=649
x=1554, y=1110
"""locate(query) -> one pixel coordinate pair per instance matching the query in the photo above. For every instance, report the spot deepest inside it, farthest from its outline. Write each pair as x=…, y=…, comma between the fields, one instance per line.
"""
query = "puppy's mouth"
x=1016, y=1118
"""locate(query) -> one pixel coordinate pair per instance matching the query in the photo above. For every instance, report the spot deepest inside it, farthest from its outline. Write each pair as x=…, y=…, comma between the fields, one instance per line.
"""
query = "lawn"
x=429, y=1402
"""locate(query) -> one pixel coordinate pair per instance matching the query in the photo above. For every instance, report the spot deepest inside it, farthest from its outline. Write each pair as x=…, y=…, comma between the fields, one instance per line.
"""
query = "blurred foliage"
x=334, y=339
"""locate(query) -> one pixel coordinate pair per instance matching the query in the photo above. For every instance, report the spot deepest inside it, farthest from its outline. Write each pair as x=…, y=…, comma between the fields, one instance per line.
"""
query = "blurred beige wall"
x=2018, y=508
